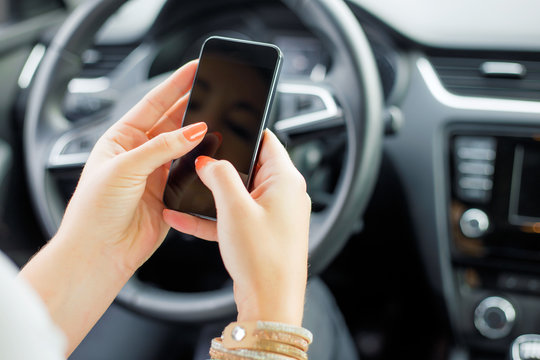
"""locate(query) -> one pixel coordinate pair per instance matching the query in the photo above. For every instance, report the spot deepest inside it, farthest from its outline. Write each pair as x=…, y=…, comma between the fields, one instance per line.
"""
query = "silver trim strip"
x=469, y=102
x=59, y=160
x=68, y=160
x=89, y=86
x=31, y=65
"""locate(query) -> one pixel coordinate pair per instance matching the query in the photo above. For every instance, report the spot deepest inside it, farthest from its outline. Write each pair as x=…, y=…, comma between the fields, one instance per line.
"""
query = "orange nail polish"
x=195, y=131
x=202, y=160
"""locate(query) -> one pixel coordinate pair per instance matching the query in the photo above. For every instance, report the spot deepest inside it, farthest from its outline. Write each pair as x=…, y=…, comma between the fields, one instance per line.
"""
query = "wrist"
x=77, y=283
x=291, y=315
x=279, y=303
x=92, y=256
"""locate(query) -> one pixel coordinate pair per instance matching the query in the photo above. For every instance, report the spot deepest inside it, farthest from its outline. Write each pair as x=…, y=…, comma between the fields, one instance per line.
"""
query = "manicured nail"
x=202, y=161
x=195, y=132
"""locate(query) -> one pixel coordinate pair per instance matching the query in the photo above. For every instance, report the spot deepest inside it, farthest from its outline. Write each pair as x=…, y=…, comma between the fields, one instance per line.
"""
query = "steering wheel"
x=351, y=101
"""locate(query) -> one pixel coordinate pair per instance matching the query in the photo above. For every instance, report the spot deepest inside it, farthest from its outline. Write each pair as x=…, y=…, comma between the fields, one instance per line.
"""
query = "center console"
x=494, y=215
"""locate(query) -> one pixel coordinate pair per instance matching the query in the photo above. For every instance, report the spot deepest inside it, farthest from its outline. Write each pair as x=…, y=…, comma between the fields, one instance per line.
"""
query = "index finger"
x=161, y=98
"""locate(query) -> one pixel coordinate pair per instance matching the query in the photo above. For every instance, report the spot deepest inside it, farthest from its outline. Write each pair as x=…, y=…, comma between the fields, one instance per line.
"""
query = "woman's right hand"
x=262, y=235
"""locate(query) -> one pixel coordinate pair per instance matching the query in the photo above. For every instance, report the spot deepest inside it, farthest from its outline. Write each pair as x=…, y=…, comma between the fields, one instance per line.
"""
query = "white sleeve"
x=26, y=330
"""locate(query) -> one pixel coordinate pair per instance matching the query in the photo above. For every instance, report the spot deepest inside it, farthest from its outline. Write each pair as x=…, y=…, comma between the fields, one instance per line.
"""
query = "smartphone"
x=232, y=92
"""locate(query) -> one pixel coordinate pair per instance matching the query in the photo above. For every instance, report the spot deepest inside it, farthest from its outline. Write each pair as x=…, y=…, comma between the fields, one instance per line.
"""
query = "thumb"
x=224, y=182
x=163, y=148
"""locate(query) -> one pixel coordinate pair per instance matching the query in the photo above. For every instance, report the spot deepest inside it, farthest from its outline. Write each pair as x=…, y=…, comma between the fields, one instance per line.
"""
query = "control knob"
x=494, y=317
x=474, y=223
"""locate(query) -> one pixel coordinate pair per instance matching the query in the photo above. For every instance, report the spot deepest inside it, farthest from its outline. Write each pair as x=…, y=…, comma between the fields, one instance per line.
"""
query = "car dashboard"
x=466, y=154
x=450, y=239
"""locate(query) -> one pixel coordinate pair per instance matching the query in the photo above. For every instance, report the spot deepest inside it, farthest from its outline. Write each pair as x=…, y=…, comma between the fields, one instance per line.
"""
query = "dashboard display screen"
x=525, y=188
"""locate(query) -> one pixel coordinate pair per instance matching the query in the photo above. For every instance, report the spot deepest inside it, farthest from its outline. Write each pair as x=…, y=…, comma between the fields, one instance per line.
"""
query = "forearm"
x=77, y=284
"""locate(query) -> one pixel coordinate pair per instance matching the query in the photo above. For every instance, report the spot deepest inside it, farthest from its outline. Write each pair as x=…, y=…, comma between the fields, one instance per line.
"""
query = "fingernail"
x=202, y=161
x=195, y=132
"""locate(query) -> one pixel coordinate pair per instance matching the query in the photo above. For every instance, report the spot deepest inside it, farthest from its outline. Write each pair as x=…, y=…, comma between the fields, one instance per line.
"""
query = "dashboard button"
x=475, y=168
x=475, y=183
x=466, y=153
x=526, y=347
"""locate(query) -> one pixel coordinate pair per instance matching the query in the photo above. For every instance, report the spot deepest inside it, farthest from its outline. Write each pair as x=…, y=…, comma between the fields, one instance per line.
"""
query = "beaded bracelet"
x=220, y=352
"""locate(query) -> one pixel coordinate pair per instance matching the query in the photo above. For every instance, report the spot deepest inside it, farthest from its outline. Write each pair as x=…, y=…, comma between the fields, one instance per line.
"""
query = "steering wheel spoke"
x=72, y=148
x=305, y=109
x=91, y=104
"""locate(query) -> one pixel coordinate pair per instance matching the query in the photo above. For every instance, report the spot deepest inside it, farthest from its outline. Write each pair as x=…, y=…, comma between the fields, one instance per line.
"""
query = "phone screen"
x=232, y=92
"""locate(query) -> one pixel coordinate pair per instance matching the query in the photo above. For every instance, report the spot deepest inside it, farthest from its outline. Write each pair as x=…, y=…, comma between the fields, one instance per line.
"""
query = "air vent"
x=101, y=60
x=509, y=79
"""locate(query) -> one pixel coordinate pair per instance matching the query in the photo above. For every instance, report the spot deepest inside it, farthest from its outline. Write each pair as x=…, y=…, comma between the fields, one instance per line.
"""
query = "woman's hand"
x=262, y=235
x=114, y=220
x=118, y=200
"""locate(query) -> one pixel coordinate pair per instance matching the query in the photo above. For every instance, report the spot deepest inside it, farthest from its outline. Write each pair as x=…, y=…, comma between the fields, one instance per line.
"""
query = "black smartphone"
x=232, y=92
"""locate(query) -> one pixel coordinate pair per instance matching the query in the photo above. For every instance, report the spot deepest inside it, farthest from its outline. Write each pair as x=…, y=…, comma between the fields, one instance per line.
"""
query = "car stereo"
x=495, y=194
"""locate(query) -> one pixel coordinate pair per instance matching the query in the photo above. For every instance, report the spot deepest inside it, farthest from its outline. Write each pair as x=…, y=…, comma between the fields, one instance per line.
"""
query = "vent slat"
x=462, y=76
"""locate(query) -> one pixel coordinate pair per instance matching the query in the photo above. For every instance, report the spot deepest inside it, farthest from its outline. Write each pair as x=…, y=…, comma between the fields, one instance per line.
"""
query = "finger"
x=160, y=99
x=223, y=180
x=273, y=160
x=158, y=151
x=172, y=119
x=273, y=150
x=192, y=225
